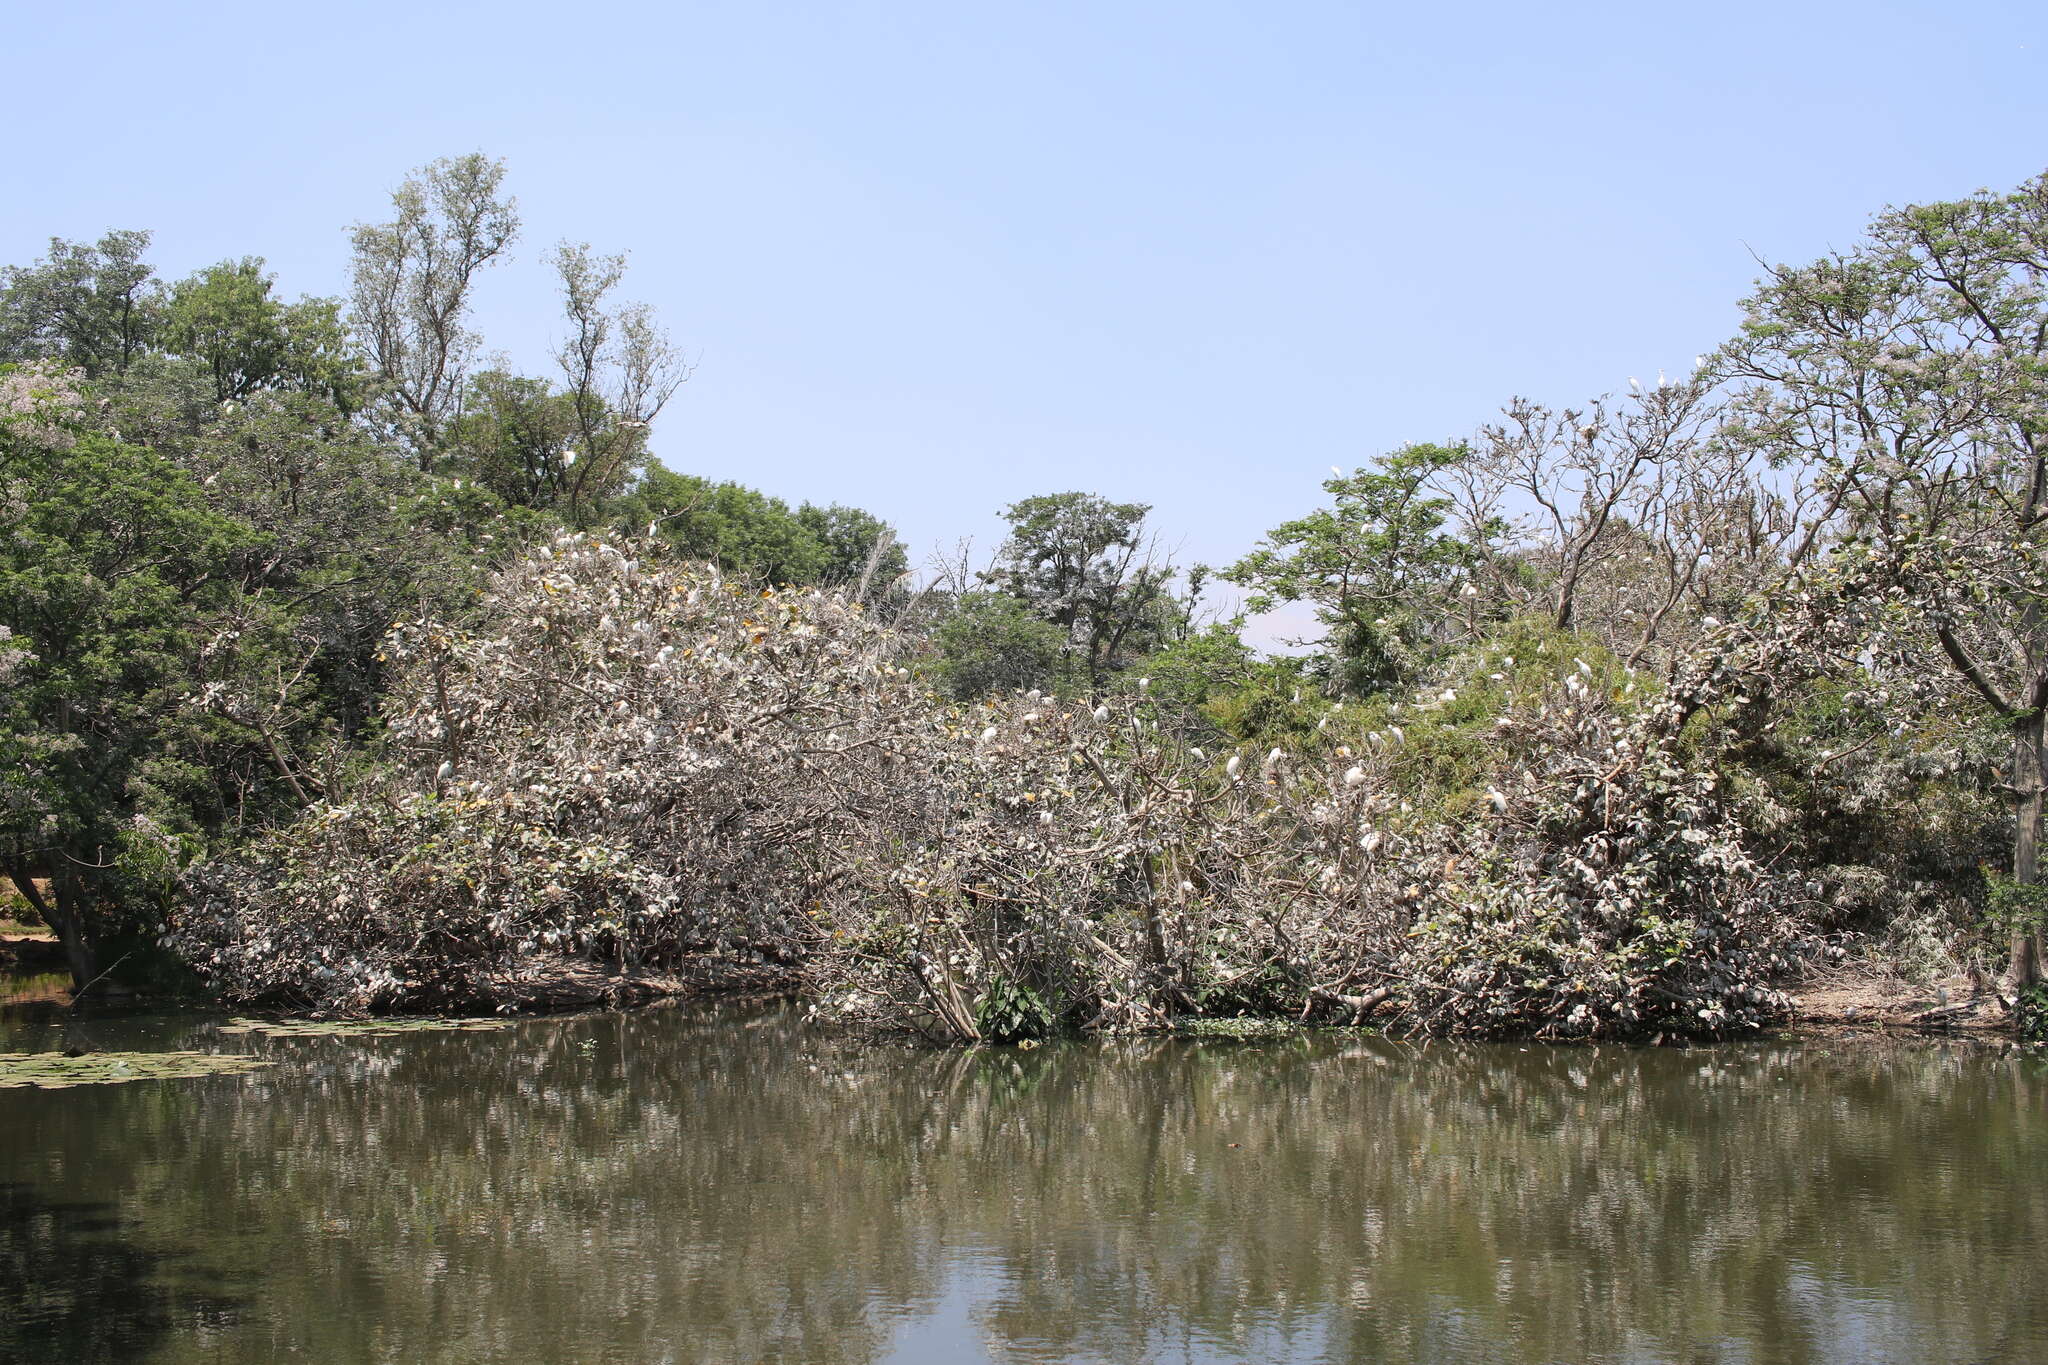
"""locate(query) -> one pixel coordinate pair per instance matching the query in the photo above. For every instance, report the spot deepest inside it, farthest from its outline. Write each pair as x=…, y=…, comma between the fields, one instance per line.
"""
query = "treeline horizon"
x=1812, y=566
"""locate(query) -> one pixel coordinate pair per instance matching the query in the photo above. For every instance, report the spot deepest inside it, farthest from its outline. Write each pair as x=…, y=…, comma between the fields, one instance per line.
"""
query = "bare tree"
x=1631, y=520
x=618, y=367
x=413, y=278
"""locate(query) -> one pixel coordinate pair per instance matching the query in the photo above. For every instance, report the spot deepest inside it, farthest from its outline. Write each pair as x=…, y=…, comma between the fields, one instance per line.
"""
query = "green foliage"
x=859, y=547
x=516, y=437
x=1378, y=565
x=991, y=642
x=93, y=307
x=2012, y=907
x=112, y=581
x=225, y=318
x=748, y=532
x=1276, y=701
x=1008, y=1011
x=2031, y=1012
x=1087, y=565
x=1187, y=679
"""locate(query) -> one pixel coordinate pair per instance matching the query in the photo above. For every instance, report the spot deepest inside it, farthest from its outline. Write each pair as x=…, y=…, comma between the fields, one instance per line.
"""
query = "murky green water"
x=729, y=1186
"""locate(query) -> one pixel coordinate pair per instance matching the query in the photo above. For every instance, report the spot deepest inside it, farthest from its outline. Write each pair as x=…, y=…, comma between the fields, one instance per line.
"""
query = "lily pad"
x=56, y=1071
x=356, y=1028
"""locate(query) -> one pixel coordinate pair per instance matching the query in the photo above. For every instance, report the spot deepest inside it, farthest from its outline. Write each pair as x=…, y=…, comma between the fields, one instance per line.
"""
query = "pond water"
x=689, y=1184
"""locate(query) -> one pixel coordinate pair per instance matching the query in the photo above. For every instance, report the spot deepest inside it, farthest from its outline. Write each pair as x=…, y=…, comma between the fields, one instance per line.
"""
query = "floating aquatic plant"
x=356, y=1028
x=58, y=1071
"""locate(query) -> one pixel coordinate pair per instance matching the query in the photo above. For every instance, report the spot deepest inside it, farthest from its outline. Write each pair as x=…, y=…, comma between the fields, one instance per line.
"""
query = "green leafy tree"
x=1379, y=566
x=862, y=553
x=992, y=642
x=111, y=573
x=226, y=318
x=728, y=524
x=517, y=437
x=93, y=307
x=1213, y=690
x=1087, y=565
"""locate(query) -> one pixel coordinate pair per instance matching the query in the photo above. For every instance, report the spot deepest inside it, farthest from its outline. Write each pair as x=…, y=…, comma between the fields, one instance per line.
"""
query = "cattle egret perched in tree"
x=988, y=736
x=1102, y=713
x=1233, y=767
x=1355, y=777
x=447, y=770
x=1499, y=801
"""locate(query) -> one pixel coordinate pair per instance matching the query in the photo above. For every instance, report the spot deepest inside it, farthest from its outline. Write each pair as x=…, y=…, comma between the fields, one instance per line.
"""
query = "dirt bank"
x=1861, y=998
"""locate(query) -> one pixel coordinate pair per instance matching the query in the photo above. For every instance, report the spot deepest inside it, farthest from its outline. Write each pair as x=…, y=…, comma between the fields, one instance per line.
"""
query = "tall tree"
x=1912, y=373
x=90, y=306
x=618, y=370
x=413, y=277
x=112, y=569
x=1088, y=566
x=226, y=318
x=1380, y=565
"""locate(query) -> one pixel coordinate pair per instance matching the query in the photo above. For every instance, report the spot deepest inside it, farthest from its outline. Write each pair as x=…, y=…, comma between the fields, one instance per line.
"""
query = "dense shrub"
x=633, y=760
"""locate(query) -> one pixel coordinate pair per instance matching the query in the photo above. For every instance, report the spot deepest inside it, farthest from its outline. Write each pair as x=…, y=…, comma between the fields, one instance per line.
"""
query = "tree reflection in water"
x=735, y=1187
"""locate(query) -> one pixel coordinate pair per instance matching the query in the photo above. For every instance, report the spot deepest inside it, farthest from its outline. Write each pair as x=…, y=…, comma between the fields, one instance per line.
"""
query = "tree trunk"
x=59, y=911
x=2030, y=751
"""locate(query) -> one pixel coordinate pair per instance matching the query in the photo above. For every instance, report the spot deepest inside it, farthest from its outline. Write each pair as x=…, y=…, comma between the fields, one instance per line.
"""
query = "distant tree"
x=862, y=554
x=517, y=437
x=226, y=318
x=413, y=278
x=618, y=373
x=1382, y=566
x=994, y=642
x=1088, y=566
x=736, y=527
x=93, y=307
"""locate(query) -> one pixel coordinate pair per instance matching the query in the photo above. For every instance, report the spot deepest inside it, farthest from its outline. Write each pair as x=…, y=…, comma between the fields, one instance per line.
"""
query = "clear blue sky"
x=937, y=257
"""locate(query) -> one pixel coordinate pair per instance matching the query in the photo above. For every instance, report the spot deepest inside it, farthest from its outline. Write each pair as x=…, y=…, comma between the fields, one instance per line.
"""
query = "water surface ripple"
x=730, y=1186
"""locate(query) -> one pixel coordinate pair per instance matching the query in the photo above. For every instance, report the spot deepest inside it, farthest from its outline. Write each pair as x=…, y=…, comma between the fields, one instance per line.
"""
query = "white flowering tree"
x=633, y=762
x=628, y=761
x=1910, y=374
